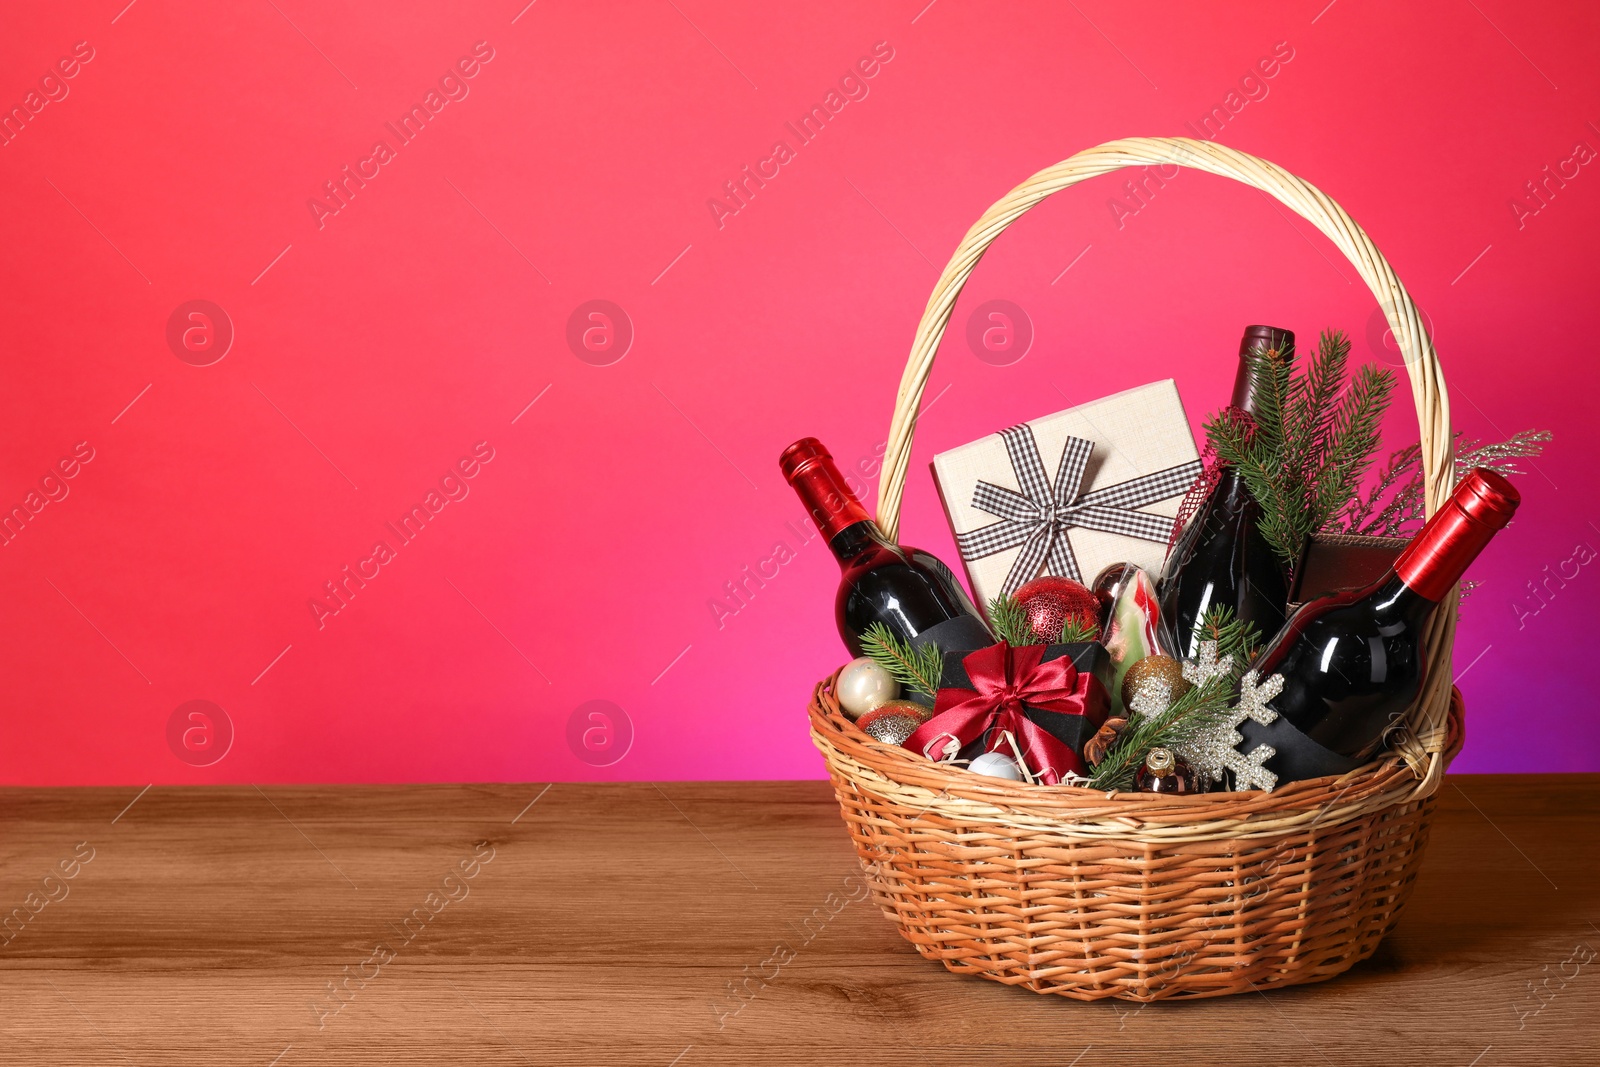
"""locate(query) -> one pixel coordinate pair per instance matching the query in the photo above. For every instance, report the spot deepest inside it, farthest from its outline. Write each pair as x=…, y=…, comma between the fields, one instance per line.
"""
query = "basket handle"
x=1428, y=718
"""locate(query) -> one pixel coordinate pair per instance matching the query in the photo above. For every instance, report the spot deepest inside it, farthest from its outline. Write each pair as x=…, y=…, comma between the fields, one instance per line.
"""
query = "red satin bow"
x=1004, y=679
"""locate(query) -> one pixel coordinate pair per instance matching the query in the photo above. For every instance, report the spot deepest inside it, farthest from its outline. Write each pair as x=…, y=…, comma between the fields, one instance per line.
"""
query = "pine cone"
x=1095, y=749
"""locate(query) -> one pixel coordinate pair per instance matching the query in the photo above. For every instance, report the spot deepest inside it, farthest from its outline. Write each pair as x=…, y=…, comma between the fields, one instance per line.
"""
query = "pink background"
x=376, y=346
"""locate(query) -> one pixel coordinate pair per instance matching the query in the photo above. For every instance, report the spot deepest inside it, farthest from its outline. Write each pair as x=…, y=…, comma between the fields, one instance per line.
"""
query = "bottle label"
x=964, y=633
x=1296, y=757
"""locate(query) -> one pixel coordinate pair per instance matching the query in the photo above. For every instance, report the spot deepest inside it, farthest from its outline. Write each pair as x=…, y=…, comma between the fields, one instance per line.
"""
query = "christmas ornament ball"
x=1109, y=583
x=996, y=765
x=1050, y=601
x=1154, y=669
x=1163, y=772
x=893, y=721
x=862, y=686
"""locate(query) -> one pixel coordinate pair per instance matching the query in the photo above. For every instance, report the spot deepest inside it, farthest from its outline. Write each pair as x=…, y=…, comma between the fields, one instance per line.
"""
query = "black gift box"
x=1092, y=661
x=1344, y=561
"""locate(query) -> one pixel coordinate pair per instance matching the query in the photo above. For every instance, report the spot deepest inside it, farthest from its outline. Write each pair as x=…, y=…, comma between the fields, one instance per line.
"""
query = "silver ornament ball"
x=996, y=765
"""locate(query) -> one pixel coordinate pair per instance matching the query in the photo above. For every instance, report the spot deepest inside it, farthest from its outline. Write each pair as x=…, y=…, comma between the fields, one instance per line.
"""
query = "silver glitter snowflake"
x=1216, y=748
x=1206, y=666
x=1153, y=699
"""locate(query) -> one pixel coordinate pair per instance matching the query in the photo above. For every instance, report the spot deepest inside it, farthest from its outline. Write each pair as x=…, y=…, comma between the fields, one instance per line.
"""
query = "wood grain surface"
x=690, y=924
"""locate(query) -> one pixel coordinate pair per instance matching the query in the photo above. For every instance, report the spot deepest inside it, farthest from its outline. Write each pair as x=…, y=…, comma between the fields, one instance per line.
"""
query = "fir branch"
x=1311, y=440
x=1241, y=640
x=1075, y=631
x=914, y=668
x=1255, y=452
x=1354, y=437
x=1270, y=390
x=1009, y=621
x=1201, y=707
x=1309, y=423
x=1343, y=430
x=1238, y=444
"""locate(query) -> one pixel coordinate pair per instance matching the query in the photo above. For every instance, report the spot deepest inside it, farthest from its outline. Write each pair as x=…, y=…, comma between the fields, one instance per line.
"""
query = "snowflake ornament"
x=1215, y=749
x=1153, y=699
x=1206, y=666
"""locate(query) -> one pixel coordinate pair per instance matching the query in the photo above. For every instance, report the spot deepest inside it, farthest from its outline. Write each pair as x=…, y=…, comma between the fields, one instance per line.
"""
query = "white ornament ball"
x=863, y=686
x=996, y=765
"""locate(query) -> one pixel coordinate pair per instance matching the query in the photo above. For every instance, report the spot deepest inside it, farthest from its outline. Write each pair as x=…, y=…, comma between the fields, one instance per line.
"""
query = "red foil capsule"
x=1435, y=559
x=809, y=467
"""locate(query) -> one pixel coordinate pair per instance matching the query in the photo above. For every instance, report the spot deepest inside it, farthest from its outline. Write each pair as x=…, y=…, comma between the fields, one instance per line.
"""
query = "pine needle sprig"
x=1353, y=436
x=914, y=668
x=1203, y=706
x=1310, y=440
x=1077, y=632
x=1256, y=453
x=1009, y=620
x=1316, y=410
x=1236, y=638
x=1273, y=394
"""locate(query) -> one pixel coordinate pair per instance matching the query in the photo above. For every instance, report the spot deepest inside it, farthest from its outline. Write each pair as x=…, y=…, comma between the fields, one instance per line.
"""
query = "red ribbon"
x=1006, y=681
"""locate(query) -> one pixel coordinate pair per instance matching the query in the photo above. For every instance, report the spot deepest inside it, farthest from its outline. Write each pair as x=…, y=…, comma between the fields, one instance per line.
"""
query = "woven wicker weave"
x=1092, y=895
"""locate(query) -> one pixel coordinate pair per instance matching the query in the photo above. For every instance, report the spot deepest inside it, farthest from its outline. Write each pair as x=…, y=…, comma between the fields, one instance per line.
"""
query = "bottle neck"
x=1393, y=600
x=828, y=499
x=856, y=540
x=1278, y=345
x=1231, y=487
x=1441, y=553
x=1243, y=396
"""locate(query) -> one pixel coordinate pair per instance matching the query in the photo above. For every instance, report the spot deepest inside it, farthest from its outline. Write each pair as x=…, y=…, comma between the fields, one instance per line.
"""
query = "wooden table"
x=608, y=923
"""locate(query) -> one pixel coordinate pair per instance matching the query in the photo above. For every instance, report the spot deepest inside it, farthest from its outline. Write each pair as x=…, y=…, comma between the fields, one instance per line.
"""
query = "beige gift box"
x=1069, y=493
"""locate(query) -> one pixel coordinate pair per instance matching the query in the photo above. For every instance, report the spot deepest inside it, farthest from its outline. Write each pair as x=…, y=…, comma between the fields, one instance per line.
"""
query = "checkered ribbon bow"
x=1039, y=516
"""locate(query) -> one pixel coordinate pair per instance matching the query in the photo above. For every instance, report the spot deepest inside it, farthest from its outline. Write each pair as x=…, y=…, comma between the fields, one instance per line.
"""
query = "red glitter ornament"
x=1050, y=601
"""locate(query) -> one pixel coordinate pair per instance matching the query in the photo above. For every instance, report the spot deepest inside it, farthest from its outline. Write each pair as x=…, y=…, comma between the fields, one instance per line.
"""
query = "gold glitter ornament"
x=1144, y=675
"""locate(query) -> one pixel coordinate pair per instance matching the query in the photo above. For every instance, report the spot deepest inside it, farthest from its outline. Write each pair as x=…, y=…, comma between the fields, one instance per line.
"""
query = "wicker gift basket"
x=1145, y=897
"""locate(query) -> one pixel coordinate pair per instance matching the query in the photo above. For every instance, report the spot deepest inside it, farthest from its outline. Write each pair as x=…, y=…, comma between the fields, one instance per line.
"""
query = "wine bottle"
x=1220, y=557
x=1352, y=662
x=910, y=591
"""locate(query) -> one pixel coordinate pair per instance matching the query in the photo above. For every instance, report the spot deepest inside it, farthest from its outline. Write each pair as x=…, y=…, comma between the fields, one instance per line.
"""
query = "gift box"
x=1069, y=493
x=1336, y=561
x=1050, y=699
